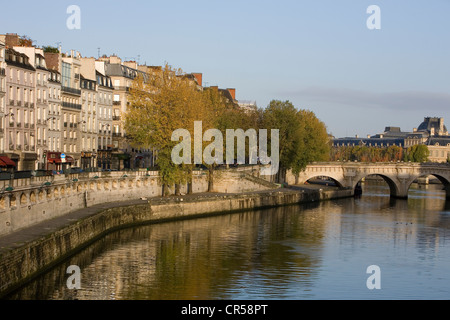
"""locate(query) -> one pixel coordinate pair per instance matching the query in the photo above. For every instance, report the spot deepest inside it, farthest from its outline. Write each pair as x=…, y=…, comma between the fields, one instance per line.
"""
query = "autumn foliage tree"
x=163, y=103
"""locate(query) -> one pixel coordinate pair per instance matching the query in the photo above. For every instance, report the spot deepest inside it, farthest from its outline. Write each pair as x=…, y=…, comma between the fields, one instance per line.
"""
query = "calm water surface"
x=317, y=251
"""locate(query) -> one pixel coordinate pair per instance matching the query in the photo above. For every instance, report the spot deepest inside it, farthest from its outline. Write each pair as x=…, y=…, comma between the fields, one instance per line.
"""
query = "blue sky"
x=318, y=54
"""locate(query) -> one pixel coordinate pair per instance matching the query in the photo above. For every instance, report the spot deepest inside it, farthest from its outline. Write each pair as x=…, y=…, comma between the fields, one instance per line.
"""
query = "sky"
x=320, y=55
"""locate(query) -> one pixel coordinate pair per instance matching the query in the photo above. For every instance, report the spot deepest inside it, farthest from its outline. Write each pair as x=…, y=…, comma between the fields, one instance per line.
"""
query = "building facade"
x=71, y=107
x=20, y=143
x=432, y=132
x=2, y=95
x=122, y=75
x=36, y=118
x=104, y=116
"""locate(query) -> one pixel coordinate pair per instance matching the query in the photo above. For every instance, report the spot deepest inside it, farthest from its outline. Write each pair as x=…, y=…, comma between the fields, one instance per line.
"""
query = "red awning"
x=54, y=160
x=6, y=162
x=69, y=159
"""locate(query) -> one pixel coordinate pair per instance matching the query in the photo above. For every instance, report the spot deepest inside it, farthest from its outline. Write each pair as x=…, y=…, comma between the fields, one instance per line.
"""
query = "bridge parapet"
x=398, y=175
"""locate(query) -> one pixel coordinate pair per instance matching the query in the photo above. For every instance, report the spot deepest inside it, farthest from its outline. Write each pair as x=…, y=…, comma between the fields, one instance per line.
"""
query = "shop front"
x=57, y=161
x=88, y=160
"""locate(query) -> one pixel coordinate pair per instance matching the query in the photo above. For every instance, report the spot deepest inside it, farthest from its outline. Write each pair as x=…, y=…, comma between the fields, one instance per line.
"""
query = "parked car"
x=76, y=170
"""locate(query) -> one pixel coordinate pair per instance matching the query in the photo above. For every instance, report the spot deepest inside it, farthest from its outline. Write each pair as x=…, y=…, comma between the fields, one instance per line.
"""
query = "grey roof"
x=429, y=123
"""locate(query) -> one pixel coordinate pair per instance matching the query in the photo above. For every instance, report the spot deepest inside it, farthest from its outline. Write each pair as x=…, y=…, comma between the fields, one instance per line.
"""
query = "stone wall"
x=22, y=264
x=38, y=199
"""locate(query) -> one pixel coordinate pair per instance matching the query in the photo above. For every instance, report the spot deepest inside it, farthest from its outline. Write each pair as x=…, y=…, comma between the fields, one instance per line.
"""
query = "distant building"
x=247, y=105
x=432, y=132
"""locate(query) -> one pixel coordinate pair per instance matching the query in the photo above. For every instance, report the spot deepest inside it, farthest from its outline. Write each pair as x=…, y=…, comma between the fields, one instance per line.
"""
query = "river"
x=315, y=251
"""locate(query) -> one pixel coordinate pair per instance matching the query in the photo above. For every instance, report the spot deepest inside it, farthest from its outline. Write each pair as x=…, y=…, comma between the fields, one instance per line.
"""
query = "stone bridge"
x=399, y=176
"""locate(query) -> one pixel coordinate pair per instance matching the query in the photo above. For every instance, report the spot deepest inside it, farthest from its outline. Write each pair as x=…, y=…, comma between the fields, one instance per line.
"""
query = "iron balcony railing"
x=71, y=91
x=71, y=105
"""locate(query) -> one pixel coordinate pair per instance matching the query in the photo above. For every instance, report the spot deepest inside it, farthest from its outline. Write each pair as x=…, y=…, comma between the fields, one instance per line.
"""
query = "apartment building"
x=104, y=116
x=36, y=117
x=71, y=106
x=2, y=95
x=54, y=136
x=20, y=143
x=122, y=75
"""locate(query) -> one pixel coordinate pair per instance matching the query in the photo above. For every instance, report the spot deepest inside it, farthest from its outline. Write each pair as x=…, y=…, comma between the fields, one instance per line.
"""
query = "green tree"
x=50, y=49
x=303, y=137
x=417, y=153
x=283, y=116
x=315, y=142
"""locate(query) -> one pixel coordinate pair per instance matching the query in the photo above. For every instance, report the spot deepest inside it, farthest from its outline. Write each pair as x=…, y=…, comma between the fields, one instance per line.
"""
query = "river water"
x=314, y=251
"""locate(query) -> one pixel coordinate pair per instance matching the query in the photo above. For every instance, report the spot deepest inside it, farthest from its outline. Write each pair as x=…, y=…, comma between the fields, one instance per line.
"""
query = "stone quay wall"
x=19, y=265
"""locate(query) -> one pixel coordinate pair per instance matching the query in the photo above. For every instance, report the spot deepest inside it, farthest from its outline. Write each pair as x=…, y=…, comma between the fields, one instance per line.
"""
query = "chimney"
x=432, y=131
x=199, y=78
x=12, y=40
x=232, y=92
x=441, y=126
x=52, y=61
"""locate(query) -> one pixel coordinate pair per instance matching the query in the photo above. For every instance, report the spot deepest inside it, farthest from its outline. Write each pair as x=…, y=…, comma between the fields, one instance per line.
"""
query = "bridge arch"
x=338, y=183
x=394, y=189
x=444, y=180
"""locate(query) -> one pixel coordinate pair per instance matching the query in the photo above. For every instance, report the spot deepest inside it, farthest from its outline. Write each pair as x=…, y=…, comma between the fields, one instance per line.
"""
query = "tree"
x=283, y=116
x=165, y=102
x=417, y=153
x=315, y=144
x=303, y=137
x=50, y=49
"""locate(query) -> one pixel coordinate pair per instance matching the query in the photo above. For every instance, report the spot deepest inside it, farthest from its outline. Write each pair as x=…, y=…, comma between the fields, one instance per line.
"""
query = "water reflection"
x=318, y=251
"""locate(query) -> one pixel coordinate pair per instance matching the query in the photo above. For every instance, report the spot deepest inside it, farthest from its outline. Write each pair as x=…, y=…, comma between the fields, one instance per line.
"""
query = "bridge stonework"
x=399, y=176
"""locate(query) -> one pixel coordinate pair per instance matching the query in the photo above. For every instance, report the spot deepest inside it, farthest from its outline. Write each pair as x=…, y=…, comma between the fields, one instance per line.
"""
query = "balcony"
x=27, y=147
x=119, y=88
x=39, y=142
x=19, y=124
x=2, y=72
x=116, y=118
x=25, y=104
x=19, y=147
x=71, y=105
x=26, y=125
x=11, y=124
x=116, y=134
x=11, y=102
x=11, y=147
x=73, y=91
x=117, y=103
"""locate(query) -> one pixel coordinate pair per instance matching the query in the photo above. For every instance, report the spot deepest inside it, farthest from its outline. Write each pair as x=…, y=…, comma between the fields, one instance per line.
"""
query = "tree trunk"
x=211, y=180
